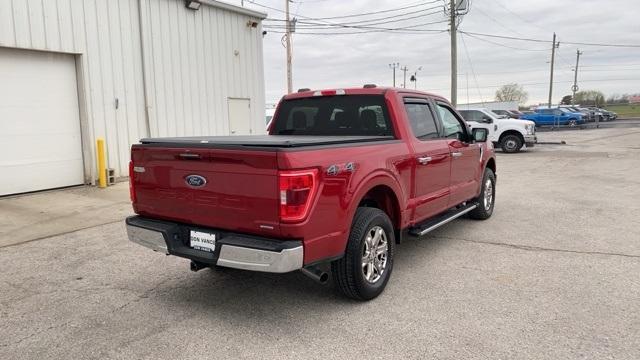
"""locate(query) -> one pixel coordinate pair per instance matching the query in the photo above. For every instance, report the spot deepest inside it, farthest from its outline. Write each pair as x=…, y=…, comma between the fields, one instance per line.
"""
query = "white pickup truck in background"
x=510, y=134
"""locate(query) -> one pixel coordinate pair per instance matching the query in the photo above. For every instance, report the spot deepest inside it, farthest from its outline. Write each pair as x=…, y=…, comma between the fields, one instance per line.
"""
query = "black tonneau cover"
x=275, y=141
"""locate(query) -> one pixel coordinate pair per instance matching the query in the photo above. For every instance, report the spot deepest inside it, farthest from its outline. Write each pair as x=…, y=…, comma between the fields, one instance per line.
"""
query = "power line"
x=367, y=20
x=590, y=70
x=338, y=25
x=609, y=65
x=501, y=5
x=475, y=79
x=396, y=31
x=320, y=26
x=505, y=37
x=600, y=44
x=496, y=21
x=412, y=28
x=547, y=41
x=345, y=16
x=546, y=83
x=503, y=45
x=299, y=2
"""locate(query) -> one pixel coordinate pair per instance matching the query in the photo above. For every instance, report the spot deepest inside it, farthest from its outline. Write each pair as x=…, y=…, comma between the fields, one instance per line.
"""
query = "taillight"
x=297, y=191
x=132, y=190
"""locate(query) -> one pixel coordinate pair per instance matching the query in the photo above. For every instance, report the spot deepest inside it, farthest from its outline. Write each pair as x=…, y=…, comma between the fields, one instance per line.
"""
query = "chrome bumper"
x=151, y=239
x=270, y=259
x=243, y=258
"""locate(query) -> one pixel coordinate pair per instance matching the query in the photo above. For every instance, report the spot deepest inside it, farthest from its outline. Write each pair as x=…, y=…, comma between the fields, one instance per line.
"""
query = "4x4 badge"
x=335, y=169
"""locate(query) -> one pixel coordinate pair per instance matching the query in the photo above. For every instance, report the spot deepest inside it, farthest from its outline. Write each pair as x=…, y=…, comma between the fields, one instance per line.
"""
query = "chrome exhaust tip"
x=197, y=266
x=316, y=274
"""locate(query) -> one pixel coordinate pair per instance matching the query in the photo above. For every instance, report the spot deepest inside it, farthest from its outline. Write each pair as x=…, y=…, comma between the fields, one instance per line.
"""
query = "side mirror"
x=487, y=120
x=479, y=135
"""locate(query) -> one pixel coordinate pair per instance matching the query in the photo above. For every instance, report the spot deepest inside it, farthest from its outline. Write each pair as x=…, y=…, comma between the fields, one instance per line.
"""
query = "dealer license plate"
x=203, y=241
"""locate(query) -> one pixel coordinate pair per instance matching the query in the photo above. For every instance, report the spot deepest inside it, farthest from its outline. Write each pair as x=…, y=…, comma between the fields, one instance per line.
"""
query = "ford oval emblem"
x=195, y=181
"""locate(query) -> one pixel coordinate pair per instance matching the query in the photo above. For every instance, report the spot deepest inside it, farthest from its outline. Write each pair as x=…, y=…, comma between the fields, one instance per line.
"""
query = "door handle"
x=456, y=154
x=424, y=160
x=190, y=156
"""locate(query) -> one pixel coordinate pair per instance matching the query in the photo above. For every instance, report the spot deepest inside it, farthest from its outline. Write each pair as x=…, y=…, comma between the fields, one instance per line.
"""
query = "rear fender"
x=380, y=178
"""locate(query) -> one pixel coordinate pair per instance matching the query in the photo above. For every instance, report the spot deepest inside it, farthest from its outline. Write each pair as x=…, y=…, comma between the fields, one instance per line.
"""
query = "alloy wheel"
x=375, y=254
x=488, y=194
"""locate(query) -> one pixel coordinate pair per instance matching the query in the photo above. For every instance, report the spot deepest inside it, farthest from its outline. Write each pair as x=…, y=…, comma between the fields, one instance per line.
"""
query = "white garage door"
x=40, y=146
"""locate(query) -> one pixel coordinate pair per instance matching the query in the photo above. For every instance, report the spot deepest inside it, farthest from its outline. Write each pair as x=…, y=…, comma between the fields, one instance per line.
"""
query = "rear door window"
x=421, y=119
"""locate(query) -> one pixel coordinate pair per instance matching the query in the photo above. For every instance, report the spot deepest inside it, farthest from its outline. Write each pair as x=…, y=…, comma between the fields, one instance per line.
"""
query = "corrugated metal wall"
x=193, y=61
x=199, y=60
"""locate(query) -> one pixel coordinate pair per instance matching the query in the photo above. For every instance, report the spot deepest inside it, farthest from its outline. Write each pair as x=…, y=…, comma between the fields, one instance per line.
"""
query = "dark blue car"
x=557, y=116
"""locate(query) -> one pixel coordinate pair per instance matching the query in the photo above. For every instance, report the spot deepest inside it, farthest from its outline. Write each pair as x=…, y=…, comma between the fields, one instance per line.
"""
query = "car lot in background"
x=514, y=114
x=553, y=276
x=606, y=115
x=555, y=117
x=509, y=134
x=588, y=115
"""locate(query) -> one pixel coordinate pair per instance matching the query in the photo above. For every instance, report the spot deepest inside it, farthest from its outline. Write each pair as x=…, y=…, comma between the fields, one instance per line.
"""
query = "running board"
x=432, y=224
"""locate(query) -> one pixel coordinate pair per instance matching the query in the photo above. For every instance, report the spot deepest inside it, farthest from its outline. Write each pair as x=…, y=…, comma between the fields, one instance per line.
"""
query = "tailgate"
x=231, y=189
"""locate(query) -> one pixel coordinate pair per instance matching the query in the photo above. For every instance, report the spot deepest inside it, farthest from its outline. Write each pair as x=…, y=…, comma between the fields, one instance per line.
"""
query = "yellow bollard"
x=102, y=167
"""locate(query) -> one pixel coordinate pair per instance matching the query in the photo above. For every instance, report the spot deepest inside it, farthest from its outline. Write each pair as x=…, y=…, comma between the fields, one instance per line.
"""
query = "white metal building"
x=72, y=71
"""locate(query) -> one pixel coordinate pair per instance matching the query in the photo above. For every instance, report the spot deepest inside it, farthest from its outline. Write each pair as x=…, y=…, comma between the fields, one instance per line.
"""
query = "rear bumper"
x=232, y=250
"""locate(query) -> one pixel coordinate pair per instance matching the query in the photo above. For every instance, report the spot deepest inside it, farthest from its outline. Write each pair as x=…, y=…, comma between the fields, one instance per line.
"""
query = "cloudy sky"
x=484, y=63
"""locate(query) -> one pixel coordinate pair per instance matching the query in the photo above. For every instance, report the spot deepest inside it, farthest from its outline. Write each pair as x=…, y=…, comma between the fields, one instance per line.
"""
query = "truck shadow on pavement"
x=250, y=298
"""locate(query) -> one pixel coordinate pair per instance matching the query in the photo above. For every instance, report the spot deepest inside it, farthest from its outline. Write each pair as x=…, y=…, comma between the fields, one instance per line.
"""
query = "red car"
x=343, y=176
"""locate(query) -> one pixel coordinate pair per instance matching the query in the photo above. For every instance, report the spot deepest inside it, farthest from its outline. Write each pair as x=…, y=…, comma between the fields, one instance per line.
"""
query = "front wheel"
x=364, y=270
x=572, y=123
x=487, y=197
x=511, y=143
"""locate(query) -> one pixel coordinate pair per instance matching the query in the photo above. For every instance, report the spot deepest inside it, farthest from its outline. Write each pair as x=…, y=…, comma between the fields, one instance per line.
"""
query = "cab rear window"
x=350, y=115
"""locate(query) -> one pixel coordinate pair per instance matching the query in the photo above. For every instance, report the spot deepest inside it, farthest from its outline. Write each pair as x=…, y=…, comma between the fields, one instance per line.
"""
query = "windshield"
x=351, y=115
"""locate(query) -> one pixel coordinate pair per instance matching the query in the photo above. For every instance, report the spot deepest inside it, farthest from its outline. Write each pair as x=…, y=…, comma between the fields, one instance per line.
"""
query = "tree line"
x=516, y=92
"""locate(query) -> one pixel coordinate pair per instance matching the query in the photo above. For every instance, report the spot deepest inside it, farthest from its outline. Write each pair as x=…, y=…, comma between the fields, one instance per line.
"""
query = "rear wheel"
x=511, y=143
x=487, y=197
x=364, y=270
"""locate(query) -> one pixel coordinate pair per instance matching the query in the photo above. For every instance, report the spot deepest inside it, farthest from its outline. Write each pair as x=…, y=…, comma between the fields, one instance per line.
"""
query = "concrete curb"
x=551, y=142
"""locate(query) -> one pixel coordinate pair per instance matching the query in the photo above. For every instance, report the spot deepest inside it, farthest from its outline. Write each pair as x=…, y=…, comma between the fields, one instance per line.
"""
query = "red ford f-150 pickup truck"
x=343, y=176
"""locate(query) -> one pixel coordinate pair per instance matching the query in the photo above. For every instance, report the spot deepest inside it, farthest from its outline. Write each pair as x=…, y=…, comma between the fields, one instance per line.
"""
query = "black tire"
x=511, y=143
x=347, y=272
x=572, y=122
x=483, y=212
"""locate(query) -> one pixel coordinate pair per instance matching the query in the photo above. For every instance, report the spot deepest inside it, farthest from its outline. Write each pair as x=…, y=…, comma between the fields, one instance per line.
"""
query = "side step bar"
x=432, y=224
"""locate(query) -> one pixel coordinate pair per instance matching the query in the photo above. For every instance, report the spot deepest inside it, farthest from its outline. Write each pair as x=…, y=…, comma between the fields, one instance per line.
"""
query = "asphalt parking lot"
x=554, y=274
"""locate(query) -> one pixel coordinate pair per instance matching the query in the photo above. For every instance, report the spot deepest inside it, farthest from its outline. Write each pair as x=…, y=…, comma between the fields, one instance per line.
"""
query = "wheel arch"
x=382, y=192
x=511, y=132
x=491, y=164
x=384, y=198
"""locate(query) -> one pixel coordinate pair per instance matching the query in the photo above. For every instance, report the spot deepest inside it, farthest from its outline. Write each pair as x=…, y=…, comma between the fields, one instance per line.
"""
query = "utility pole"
x=289, y=52
x=394, y=66
x=454, y=53
x=404, y=83
x=414, y=78
x=574, y=88
x=553, y=57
